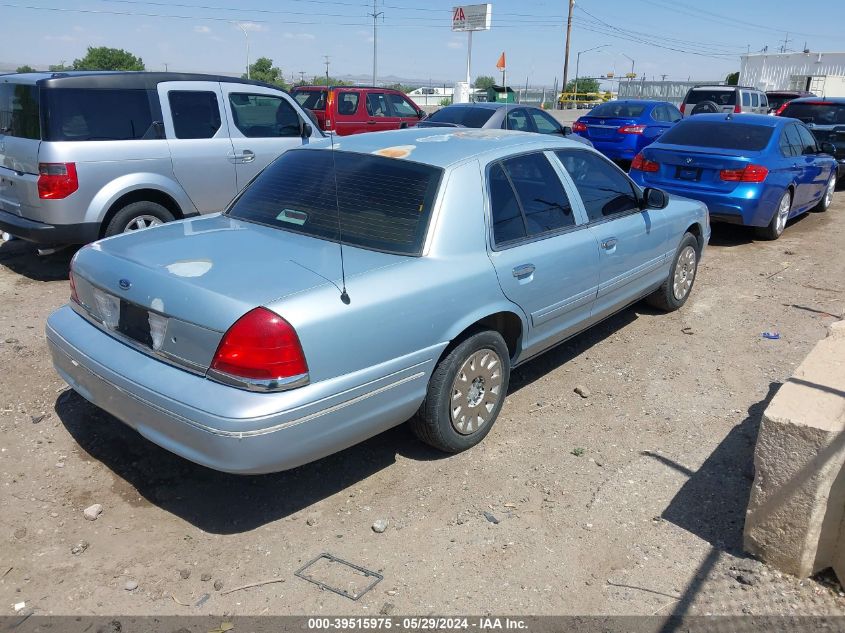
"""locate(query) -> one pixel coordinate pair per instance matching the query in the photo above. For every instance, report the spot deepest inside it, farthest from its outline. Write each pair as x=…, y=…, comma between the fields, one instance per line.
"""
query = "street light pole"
x=375, y=15
x=632, y=65
x=246, y=35
x=578, y=64
x=566, y=53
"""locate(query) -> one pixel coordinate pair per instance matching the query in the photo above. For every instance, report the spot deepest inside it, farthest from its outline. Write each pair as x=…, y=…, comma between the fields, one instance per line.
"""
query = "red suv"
x=356, y=109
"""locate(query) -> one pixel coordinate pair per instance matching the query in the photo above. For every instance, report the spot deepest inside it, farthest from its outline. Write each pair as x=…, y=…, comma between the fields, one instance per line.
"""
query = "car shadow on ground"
x=22, y=258
x=712, y=502
x=221, y=503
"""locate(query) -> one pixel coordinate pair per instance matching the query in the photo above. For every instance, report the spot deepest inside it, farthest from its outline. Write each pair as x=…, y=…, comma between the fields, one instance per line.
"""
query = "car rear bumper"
x=42, y=233
x=623, y=150
x=302, y=425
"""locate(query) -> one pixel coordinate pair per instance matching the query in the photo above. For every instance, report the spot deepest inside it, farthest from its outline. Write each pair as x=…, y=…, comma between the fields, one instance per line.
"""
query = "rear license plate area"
x=688, y=173
x=135, y=323
x=600, y=132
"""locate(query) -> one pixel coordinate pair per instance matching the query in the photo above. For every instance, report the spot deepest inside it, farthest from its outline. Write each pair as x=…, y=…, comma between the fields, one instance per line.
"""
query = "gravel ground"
x=628, y=501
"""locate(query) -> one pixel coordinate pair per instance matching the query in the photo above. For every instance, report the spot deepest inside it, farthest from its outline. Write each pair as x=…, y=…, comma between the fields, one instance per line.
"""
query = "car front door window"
x=545, y=123
x=604, y=189
x=263, y=116
x=401, y=106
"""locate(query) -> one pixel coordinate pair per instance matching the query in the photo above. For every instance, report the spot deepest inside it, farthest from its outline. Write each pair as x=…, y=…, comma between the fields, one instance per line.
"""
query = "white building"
x=821, y=73
x=431, y=95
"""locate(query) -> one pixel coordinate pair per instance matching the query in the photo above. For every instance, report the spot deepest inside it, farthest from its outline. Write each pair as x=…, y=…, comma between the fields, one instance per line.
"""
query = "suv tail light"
x=749, y=173
x=683, y=107
x=738, y=109
x=578, y=126
x=780, y=110
x=56, y=180
x=261, y=350
x=641, y=163
x=631, y=129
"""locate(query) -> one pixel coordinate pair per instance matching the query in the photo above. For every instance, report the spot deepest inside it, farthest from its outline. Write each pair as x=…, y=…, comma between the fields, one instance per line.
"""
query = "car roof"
x=118, y=79
x=444, y=147
x=834, y=100
x=762, y=120
x=636, y=101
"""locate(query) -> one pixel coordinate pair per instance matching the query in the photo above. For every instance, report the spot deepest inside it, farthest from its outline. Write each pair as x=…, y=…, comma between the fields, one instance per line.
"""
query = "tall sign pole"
x=375, y=14
x=469, y=18
x=566, y=54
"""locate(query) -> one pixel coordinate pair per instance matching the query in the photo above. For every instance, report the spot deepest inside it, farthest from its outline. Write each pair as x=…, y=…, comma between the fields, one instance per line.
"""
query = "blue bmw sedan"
x=748, y=169
x=621, y=129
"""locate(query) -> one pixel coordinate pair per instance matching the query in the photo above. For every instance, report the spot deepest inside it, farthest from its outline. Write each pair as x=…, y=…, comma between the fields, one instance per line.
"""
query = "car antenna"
x=344, y=296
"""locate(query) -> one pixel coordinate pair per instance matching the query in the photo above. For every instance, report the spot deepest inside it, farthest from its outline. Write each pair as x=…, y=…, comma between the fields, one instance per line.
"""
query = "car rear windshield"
x=719, y=134
x=719, y=97
x=468, y=117
x=74, y=114
x=777, y=99
x=385, y=203
x=819, y=112
x=19, y=111
x=310, y=99
x=612, y=110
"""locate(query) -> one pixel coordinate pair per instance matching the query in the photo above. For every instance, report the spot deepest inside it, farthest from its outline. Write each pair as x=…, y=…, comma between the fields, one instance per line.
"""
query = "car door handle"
x=524, y=270
x=609, y=244
x=247, y=156
x=371, y=122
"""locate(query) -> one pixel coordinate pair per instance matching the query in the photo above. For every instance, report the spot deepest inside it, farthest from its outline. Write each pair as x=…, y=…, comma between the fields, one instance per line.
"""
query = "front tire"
x=465, y=394
x=678, y=285
x=775, y=228
x=137, y=216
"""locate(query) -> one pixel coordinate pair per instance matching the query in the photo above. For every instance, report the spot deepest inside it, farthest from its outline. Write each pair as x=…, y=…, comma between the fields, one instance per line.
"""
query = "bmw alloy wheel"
x=783, y=212
x=685, y=271
x=476, y=391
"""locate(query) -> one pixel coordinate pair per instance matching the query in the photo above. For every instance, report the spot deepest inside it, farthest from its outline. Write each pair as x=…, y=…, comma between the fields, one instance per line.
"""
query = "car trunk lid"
x=693, y=169
x=606, y=130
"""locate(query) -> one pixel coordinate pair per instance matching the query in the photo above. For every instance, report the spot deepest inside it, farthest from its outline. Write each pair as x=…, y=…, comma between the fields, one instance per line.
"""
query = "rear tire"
x=136, y=216
x=465, y=394
x=678, y=285
x=775, y=228
x=705, y=107
x=827, y=197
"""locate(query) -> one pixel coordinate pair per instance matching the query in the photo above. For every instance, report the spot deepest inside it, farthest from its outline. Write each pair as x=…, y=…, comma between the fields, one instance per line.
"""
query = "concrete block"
x=795, y=513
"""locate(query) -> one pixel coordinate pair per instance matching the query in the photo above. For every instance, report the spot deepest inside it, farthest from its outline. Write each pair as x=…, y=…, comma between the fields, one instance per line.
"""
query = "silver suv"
x=708, y=99
x=92, y=154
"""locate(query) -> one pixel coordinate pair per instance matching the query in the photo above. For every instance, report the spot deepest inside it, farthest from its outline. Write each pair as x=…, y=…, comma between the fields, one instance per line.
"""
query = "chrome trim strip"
x=255, y=432
x=261, y=386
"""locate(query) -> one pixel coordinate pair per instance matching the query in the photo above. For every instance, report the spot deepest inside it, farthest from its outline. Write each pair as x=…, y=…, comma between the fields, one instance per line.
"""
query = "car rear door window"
x=401, y=107
x=808, y=141
x=19, y=111
x=659, y=114
x=794, y=140
x=310, y=99
x=379, y=203
x=746, y=100
x=527, y=199
x=347, y=103
x=518, y=120
x=787, y=148
x=674, y=114
x=263, y=116
x=755, y=100
x=719, y=134
x=546, y=124
x=196, y=114
x=76, y=114
x=377, y=105
x=818, y=112
x=604, y=189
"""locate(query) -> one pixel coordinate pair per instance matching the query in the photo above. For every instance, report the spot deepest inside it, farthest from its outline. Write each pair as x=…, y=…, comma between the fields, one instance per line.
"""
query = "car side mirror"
x=566, y=130
x=421, y=114
x=305, y=130
x=654, y=199
x=826, y=147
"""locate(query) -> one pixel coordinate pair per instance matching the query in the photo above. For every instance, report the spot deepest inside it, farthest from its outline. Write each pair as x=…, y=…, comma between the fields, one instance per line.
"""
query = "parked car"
x=621, y=129
x=85, y=155
x=348, y=110
x=706, y=99
x=500, y=116
x=747, y=168
x=237, y=342
x=779, y=98
x=826, y=120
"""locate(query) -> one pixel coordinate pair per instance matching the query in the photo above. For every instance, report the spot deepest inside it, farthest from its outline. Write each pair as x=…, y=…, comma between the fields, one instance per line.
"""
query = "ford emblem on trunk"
x=124, y=284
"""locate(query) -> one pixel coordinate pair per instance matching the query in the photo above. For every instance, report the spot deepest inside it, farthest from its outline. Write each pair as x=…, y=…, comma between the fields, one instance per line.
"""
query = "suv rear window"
x=719, y=97
x=818, y=112
x=310, y=99
x=19, y=111
x=612, y=110
x=724, y=135
x=74, y=114
x=468, y=117
x=385, y=203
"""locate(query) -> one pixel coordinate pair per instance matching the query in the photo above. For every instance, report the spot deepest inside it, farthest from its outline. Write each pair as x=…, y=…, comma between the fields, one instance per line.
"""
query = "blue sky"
x=671, y=37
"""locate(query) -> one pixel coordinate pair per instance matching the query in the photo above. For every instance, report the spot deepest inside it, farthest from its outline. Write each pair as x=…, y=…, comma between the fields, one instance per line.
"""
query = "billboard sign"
x=472, y=17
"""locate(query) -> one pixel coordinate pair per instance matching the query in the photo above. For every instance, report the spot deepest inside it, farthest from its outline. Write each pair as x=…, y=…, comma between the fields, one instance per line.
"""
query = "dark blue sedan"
x=621, y=129
x=748, y=169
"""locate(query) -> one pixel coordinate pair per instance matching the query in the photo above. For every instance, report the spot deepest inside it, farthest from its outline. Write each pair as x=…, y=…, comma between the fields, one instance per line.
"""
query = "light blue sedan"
x=250, y=342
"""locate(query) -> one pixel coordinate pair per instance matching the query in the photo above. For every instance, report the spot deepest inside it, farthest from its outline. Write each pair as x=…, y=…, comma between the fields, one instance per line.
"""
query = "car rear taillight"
x=640, y=163
x=56, y=180
x=578, y=126
x=260, y=346
x=737, y=109
x=779, y=111
x=683, y=107
x=631, y=129
x=749, y=173
x=73, y=296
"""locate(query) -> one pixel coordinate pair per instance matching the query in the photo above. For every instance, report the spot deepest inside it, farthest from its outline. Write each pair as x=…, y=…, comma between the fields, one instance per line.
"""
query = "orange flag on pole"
x=501, y=63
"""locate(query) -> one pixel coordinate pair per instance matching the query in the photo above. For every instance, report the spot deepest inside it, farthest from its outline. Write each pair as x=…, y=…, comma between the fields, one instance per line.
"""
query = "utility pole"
x=663, y=77
x=302, y=76
x=786, y=41
x=566, y=53
x=327, y=69
x=246, y=35
x=375, y=15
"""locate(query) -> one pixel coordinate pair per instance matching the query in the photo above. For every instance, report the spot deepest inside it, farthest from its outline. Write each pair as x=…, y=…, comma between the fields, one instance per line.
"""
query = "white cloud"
x=59, y=38
x=251, y=26
x=201, y=29
x=299, y=36
x=455, y=44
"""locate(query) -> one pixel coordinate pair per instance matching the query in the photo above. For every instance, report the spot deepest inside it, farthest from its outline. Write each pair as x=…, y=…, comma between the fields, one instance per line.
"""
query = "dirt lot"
x=629, y=501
